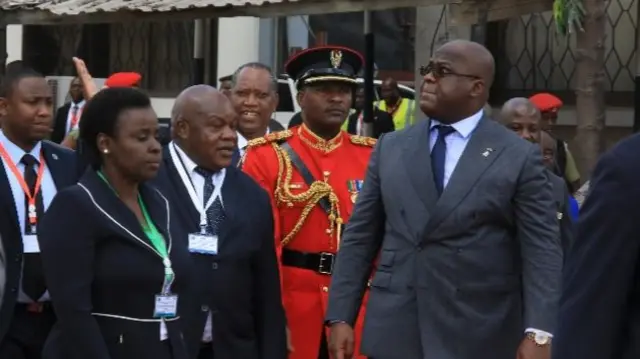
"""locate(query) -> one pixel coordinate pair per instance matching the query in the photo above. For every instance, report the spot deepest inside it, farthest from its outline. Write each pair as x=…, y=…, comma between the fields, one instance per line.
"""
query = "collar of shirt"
x=242, y=141
x=190, y=166
x=464, y=127
x=16, y=152
x=79, y=105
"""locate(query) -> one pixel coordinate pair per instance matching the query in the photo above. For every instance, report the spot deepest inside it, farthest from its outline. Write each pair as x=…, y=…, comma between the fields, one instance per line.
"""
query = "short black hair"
x=258, y=66
x=226, y=78
x=14, y=72
x=100, y=115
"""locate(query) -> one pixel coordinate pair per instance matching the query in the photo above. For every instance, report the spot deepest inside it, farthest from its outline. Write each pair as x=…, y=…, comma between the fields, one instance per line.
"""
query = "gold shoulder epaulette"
x=272, y=137
x=363, y=140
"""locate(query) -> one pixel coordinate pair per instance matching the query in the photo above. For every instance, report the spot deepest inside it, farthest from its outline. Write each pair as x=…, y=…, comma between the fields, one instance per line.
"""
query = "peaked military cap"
x=324, y=64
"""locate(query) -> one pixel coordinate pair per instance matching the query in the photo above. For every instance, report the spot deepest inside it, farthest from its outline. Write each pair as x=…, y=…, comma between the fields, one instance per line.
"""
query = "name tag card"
x=203, y=243
x=166, y=306
x=30, y=243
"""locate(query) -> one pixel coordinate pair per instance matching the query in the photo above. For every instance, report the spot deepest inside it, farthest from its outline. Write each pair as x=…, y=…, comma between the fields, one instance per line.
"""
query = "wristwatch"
x=540, y=339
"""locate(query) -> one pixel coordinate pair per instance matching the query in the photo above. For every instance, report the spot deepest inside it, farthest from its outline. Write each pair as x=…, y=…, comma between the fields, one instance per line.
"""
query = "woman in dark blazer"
x=114, y=270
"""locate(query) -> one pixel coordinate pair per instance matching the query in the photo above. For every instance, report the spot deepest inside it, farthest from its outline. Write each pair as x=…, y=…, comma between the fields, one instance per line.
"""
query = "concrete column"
x=433, y=28
x=14, y=43
x=238, y=43
x=297, y=31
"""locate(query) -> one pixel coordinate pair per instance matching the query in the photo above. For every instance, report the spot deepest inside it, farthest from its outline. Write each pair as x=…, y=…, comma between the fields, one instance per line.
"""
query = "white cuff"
x=537, y=332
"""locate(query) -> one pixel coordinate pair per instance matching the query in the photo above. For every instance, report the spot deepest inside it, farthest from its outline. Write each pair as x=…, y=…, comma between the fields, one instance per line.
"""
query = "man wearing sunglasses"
x=454, y=212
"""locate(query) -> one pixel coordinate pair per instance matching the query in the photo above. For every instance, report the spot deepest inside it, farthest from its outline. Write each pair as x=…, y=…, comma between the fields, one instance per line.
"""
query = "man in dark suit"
x=68, y=115
x=382, y=121
x=523, y=117
x=600, y=305
x=469, y=260
x=237, y=311
x=31, y=172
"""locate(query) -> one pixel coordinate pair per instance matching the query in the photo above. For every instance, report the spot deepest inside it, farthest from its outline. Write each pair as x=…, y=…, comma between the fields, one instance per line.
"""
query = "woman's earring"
x=105, y=151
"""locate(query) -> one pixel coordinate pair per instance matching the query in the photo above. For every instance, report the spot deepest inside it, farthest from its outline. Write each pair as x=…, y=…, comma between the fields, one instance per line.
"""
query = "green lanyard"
x=154, y=236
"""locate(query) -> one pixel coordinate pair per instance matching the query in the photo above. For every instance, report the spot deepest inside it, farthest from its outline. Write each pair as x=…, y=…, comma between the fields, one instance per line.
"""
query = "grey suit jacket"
x=459, y=277
x=561, y=198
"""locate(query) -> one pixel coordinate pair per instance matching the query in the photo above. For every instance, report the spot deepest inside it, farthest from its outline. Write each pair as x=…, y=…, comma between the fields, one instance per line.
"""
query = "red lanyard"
x=33, y=217
x=75, y=117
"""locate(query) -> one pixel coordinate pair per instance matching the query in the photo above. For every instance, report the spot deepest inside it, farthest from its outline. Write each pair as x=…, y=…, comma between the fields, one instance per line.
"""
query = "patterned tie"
x=215, y=213
x=33, y=283
x=438, y=156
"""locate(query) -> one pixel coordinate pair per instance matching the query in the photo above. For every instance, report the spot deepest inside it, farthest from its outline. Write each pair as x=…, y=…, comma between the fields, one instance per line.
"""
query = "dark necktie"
x=215, y=213
x=33, y=283
x=438, y=156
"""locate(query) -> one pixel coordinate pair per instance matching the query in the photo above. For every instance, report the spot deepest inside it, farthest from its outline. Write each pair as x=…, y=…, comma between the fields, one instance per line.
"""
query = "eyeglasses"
x=439, y=71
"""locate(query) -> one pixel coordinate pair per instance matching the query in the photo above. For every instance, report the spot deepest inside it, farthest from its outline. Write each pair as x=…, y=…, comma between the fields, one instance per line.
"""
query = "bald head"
x=476, y=58
x=523, y=117
x=203, y=124
x=193, y=98
x=518, y=107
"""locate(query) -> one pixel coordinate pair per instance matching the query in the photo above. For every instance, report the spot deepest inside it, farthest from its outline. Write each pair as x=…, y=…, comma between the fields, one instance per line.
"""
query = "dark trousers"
x=27, y=332
x=206, y=351
x=324, y=347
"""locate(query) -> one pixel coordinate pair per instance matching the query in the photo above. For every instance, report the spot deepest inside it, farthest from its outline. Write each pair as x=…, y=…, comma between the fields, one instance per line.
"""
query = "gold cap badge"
x=336, y=58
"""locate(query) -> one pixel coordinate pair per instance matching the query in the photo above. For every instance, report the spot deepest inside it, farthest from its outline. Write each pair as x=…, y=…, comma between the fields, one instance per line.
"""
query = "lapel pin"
x=487, y=152
x=54, y=156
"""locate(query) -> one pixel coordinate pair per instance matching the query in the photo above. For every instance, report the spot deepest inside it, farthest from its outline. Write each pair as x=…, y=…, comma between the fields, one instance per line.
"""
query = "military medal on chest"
x=354, y=187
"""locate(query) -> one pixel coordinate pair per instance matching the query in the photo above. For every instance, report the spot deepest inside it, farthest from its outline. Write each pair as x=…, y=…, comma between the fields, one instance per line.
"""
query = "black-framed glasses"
x=439, y=71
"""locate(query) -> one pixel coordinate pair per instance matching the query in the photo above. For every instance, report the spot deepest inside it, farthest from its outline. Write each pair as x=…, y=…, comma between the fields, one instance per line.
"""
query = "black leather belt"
x=318, y=262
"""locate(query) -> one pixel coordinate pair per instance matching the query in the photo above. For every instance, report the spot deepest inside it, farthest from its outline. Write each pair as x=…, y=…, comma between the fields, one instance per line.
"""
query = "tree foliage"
x=568, y=16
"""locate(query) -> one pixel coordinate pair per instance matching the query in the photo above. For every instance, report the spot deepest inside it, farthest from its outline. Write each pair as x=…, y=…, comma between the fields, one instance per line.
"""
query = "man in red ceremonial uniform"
x=313, y=173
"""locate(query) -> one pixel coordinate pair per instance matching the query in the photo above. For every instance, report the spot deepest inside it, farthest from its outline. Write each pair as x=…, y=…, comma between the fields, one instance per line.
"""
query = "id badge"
x=166, y=306
x=30, y=243
x=203, y=243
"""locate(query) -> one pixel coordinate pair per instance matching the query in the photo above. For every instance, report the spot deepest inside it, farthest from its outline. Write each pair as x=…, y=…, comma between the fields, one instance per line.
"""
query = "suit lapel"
x=61, y=173
x=480, y=152
x=232, y=203
x=186, y=209
x=157, y=207
x=6, y=196
x=418, y=164
x=114, y=209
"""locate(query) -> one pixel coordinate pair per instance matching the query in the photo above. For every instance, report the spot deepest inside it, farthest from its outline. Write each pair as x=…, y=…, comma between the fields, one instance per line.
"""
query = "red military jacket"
x=338, y=167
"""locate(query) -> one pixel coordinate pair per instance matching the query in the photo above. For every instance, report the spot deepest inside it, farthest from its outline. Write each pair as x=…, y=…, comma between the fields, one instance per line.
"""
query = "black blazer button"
x=204, y=308
x=214, y=265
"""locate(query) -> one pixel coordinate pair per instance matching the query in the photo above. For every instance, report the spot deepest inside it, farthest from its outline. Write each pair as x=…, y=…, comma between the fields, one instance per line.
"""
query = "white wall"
x=14, y=43
x=238, y=43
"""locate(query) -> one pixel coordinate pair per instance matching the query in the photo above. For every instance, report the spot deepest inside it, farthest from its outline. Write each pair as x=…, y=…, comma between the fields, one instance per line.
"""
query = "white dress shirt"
x=456, y=143
x=68, y=126
x=242, y=141
x=48, y=189
x=198, y=183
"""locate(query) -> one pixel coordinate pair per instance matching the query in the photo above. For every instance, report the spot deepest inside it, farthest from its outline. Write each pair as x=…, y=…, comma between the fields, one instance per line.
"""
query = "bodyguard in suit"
x=31, y=172
x=356, y=125
x=524, y=118
x=68, y=115
x=469, y=256
x=226, y=219
x=601, y=295
x=114, y=267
